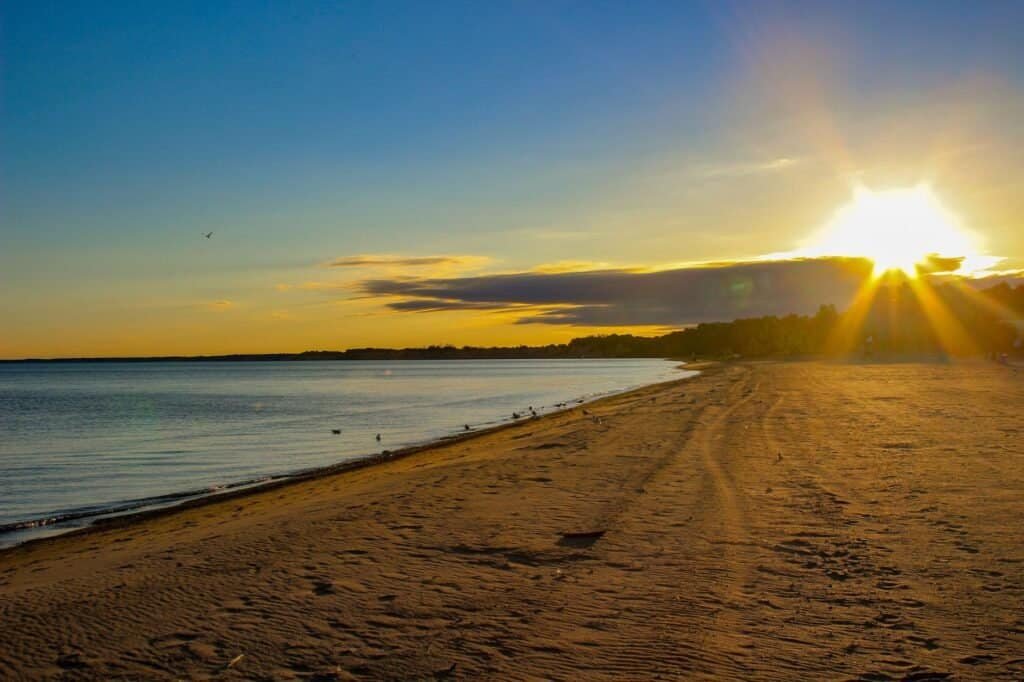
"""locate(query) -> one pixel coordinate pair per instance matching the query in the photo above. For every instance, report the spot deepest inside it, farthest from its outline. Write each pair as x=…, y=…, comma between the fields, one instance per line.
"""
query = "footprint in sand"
x=323, y=587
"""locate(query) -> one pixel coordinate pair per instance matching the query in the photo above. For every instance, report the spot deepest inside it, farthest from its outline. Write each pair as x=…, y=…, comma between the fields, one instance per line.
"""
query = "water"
x=82, y=440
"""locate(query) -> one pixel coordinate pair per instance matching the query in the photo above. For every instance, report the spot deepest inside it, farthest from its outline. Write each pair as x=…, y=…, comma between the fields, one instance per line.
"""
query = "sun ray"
x=950, y=332
x=848, y=337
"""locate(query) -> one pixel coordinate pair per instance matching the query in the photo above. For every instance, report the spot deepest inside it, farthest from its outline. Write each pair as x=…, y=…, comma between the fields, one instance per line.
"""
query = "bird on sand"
x=378, y=437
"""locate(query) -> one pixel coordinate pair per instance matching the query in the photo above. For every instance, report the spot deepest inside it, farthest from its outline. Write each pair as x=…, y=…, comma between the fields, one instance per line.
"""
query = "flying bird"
x=208, y=235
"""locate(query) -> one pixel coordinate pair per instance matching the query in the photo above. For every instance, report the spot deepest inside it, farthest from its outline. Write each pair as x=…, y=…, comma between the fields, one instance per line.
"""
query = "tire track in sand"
x=725, y=646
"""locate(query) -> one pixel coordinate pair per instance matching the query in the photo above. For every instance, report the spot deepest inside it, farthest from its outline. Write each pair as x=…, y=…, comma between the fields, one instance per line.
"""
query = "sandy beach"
x=761, y=521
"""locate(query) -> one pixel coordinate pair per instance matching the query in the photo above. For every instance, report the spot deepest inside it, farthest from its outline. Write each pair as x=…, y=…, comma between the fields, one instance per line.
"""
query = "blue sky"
x=524, y=133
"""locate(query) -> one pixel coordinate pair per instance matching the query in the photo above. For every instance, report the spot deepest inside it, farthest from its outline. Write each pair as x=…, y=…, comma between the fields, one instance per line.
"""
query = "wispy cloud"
x=570, y=266
x=377, y=260
x=217, y=306
x=347, y=271
x=428, y=305
x=553, y=234
x=743, y=168
x=987, y=278
x=317, y=286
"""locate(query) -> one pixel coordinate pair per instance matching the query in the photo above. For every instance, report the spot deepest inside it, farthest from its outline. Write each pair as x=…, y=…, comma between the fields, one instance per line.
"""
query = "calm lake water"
x=81, y=440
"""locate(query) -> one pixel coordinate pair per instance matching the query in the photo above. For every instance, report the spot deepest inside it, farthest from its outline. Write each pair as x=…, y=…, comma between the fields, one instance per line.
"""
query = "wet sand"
x=761, y=521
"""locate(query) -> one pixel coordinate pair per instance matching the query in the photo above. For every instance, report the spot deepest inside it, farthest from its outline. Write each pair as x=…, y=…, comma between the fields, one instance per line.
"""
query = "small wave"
x=119, y=508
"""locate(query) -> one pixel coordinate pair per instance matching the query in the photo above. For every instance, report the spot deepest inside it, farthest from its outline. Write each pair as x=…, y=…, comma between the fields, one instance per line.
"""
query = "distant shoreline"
x=334, y=356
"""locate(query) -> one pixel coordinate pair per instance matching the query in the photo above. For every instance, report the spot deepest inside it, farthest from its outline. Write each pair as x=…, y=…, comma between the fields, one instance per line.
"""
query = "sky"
x=402, y=174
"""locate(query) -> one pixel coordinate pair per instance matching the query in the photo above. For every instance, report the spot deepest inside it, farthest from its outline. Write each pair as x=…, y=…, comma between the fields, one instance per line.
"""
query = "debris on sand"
x=581, y=540
x=445, y=673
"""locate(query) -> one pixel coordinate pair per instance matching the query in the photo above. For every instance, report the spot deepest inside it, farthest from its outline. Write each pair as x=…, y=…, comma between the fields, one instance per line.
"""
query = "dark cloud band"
x=627, y=298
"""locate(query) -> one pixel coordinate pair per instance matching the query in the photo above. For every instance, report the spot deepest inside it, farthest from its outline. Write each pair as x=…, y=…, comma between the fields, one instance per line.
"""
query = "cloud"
x=329, y=287
x=734, y=170
x=353, y=268
x=425, y=305
x=621, y=297
x=376, y=260
x=991, y=278
x=552, y=233
x=569, y=266
x=217, y=306
x=940, y=264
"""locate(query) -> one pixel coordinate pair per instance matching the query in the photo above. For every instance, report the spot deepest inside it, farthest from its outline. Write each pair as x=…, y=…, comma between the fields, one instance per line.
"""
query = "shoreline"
x=316, y=356
x=765, y=521
x=185, y=500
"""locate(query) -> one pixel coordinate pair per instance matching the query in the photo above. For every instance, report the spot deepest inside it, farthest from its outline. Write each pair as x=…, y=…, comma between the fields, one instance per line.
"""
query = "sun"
x=897, y=229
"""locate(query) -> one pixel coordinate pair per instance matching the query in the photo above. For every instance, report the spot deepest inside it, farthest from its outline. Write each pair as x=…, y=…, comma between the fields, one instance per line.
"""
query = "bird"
x=208, y=235
x=378, y=437
x=515, y=415
x=466, y=427
x=336, y=432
